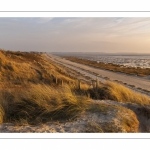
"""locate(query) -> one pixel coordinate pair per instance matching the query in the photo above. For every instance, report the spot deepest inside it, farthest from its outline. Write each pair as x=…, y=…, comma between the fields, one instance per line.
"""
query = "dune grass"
x=117, y=92
x=39, y=103
x=1, y=114
x=29, y=93
x=122, y=94
x=23, y=67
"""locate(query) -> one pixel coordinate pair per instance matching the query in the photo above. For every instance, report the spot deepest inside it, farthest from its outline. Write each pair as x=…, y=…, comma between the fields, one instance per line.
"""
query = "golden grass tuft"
x=38, y=103
x=1, y=114
x=120, y=93
x=117, y=92
x=128, y=119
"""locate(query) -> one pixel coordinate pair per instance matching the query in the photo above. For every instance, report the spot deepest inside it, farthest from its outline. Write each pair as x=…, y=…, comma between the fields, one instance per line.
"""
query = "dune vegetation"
x=30, y=89
x=39, y=103
x=34, y=90
x=117, y=92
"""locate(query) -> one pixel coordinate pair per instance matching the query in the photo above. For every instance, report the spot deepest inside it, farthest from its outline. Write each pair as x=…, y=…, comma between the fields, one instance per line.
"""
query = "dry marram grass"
x=31, y=92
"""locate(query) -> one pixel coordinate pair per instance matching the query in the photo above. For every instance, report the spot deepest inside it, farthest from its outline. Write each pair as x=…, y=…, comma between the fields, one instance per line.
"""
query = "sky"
x=99, y=34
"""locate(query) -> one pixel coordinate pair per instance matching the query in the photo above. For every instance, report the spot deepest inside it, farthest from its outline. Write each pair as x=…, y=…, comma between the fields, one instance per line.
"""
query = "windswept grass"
x=30, y=89
x=1, y=114
x=39, y=103
x=23, y=67
x=122, y=94
x=119, y=93
x=31, y=92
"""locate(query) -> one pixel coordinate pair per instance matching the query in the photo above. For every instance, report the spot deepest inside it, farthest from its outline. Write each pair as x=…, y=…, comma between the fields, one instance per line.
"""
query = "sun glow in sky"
x=103, y=34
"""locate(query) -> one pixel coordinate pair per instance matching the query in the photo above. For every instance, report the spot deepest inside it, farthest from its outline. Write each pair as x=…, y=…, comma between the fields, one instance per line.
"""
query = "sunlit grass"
x=30, y=93
x=120, y=93
x=39, y=103
x=117, y=92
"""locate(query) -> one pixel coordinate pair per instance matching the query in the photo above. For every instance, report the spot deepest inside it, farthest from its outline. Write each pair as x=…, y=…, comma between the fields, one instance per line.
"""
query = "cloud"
x=75, y=34
x=44, y=19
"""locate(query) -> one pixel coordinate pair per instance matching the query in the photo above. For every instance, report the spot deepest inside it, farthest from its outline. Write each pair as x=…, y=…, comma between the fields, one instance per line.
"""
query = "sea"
x=126, y=60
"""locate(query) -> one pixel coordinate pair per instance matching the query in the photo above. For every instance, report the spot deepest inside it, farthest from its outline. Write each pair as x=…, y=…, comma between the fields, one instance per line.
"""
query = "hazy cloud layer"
x=76, y=34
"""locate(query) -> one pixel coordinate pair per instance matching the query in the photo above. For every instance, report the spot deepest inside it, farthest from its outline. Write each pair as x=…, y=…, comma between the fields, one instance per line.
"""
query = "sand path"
x=136, y=82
